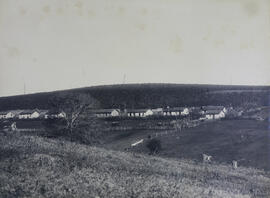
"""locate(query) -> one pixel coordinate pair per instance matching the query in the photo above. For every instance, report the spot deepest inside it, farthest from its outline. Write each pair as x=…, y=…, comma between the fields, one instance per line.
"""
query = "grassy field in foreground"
x=33, y=166
x=246, y=141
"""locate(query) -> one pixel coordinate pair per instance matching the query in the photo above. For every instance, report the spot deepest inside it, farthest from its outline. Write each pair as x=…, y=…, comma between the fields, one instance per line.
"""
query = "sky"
x=57, y=44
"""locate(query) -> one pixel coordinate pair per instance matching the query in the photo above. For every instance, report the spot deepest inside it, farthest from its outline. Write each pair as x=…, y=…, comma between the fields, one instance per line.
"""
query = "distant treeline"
x=151, y=96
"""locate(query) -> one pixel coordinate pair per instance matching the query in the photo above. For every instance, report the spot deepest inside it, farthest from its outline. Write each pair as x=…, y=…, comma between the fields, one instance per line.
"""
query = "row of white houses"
x=30, y=114
x=103, y=113
x=205, y=112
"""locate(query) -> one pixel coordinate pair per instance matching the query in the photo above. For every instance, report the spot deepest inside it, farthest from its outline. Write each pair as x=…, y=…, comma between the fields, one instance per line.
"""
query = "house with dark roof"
x=214, y=112
x=209, y=108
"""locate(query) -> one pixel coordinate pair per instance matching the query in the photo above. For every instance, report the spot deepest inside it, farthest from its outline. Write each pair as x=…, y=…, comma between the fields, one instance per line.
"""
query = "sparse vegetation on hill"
x=154, y=145
x=32, y=166
x=150, y=96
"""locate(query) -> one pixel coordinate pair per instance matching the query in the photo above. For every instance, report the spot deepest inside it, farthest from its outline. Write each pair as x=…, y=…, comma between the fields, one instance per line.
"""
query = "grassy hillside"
x=151, y=95
x=32, y=166
x=246, y=141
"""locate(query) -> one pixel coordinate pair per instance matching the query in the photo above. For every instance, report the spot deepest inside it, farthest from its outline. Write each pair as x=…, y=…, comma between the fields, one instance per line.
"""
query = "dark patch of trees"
x=154, y=145
x=79, y=123
x=149, y=96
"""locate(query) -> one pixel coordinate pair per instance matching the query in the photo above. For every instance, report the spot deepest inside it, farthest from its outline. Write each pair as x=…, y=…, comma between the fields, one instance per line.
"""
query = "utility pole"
x=24, y=88
x=124, y=79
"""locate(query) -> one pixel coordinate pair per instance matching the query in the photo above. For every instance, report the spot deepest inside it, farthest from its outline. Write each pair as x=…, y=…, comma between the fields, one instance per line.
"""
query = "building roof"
x=174, y=109
x=43, y=112
x=15, y=112
x=105, y=110
x=206, y=108
x=196, y=110
x=158, y=110
x=54, y=112
x=3, y=112
x=136, y=110
x=29, y=111
x=213, y=111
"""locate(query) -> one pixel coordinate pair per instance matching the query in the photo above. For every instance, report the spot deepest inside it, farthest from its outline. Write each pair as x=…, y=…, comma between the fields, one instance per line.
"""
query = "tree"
x=154, y=145
x=79, y=122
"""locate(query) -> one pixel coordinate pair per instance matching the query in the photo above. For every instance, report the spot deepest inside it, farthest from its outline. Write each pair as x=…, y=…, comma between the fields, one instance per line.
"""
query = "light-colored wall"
x=114, y=113
x=10, y=115
x=185, y=112
x=34, y=115
x=149, y=112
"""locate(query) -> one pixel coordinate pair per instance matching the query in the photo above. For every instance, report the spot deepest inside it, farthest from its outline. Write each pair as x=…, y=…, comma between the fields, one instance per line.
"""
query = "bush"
x=154, y=146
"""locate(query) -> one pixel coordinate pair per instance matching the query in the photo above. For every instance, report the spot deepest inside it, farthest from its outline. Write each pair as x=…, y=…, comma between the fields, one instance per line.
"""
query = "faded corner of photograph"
x=146, y=98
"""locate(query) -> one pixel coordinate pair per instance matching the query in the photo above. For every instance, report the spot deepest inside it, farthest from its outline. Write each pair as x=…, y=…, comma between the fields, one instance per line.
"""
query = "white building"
x=138, y=112
x=157, y=112
x=149, y=112
x=214, y=114
x=55, y=114
x=208, y=108
x=29, y=114
x=103, y=113
x=9, y=114
x=176, y=111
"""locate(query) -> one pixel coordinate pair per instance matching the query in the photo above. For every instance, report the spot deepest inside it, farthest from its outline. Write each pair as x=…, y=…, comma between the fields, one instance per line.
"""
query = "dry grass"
x=32, y=166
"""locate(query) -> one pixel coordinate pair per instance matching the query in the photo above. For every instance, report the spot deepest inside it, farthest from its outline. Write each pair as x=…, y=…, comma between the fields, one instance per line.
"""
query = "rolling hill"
x=150, y=96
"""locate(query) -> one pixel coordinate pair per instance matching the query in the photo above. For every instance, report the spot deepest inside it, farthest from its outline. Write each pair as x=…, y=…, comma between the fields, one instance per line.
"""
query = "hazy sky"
x=57, y=44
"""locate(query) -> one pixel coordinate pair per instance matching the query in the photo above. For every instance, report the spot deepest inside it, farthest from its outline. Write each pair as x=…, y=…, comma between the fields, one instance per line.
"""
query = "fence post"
x=235, y=164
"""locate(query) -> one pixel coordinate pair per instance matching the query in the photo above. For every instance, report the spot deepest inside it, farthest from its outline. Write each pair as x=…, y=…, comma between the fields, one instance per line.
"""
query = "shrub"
x=154, y=145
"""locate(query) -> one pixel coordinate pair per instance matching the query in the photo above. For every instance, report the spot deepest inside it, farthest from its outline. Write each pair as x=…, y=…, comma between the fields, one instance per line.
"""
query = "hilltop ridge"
x=150, y=95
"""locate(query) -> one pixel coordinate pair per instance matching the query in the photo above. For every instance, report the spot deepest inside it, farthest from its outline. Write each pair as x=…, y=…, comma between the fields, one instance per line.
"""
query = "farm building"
x=149, y=112
x=214, y=114
x=29, y=114
x=176, y=111
x=158, y=111
x=209, y=108
x=103, y=113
